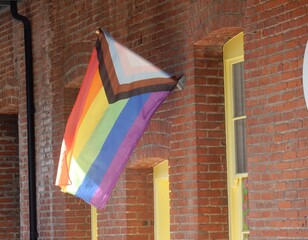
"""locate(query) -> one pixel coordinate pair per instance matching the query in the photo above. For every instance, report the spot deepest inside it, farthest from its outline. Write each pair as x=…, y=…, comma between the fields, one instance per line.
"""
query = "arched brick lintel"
x=211, y=45
x=218, y=37
x=207, y=18
x=76, y=58
x=153, y=147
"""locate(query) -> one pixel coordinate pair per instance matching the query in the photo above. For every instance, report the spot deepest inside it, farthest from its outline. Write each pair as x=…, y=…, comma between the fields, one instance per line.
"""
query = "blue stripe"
x=109, y=149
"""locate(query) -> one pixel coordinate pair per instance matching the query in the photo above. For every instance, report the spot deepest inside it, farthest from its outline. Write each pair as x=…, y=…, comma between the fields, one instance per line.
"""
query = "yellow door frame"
x=161, y=201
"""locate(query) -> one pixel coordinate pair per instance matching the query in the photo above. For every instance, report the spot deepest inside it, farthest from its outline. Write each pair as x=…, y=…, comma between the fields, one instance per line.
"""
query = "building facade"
x=224, y=158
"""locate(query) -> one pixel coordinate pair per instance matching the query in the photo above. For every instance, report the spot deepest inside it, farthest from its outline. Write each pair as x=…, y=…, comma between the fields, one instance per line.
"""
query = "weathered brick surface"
x=9, y=178
x=182, y=37
x=275, y=35
x=210, y=134
x=8, y=81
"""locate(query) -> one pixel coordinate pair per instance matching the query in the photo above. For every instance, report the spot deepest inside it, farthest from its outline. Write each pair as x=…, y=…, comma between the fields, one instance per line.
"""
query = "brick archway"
x=153, y=147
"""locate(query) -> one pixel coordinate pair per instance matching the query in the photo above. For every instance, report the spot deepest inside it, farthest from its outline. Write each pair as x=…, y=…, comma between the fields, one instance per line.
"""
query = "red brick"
x=9, y=178
x=193, y=139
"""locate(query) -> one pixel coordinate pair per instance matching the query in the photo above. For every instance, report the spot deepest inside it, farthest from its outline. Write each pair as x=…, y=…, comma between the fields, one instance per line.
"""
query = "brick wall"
x=114, y=214
x=182, y=37
x=9, y=178
x=211, y=158
x=140, y=204
x=275, y=35
x=197, y=150
x=8, y=83
x=157, y=33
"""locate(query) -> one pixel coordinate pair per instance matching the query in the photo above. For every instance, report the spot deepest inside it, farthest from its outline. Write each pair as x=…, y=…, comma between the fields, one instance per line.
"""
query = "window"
x=236, y=138
x=161, y=201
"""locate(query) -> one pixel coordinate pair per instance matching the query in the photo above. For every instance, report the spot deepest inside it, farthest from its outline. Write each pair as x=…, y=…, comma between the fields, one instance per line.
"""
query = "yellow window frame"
x=93, y=223
x=161, y=201
x=233, y=52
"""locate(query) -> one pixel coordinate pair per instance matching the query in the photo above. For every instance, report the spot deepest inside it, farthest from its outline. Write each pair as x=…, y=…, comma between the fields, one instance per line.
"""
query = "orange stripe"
x=95, y=88
x=74, y=119
x=75, y=115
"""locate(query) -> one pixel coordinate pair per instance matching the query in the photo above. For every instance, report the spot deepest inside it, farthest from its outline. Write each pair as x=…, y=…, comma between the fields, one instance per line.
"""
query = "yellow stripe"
x=94, y=90
x=91, y=119
x=76, y=176
x=96, y=85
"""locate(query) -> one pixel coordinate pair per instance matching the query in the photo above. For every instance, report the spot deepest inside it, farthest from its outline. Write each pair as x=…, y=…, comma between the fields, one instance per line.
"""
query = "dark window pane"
x=238, y=89
x=240, y=149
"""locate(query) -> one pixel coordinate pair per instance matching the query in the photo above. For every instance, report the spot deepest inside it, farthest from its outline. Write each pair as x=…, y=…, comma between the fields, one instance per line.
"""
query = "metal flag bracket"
x=181, y=83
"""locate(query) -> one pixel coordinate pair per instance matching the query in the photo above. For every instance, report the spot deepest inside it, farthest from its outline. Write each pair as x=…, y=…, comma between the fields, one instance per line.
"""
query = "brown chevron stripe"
x=116, y=91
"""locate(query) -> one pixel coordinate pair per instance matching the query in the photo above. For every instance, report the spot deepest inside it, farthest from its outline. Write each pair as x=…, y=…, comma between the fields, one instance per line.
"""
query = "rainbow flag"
x=119, y=94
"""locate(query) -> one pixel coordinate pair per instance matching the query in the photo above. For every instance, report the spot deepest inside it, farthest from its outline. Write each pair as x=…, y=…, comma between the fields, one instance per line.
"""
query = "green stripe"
x=88, y=154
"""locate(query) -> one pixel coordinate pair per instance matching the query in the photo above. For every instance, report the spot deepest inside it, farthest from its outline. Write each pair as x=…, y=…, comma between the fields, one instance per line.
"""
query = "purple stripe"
x=119, y=162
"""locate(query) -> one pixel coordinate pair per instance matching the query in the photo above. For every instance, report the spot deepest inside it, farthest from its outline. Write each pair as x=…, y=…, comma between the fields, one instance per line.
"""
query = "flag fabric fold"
x=119, y=94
